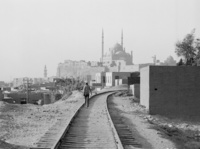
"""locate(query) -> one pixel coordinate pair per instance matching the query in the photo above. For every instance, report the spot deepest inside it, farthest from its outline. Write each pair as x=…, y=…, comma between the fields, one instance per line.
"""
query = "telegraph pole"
x=154, y=59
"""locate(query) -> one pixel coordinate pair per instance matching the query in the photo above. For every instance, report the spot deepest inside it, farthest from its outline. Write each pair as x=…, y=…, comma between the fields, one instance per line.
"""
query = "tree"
x=197, y=44
x=187, y=48
x=180, y=63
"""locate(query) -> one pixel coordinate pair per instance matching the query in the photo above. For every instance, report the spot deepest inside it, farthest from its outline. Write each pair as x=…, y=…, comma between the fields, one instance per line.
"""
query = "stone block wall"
x=33, y=97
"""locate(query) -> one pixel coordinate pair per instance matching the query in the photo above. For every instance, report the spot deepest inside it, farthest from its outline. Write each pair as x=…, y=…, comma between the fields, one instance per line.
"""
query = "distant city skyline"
x=47, y=32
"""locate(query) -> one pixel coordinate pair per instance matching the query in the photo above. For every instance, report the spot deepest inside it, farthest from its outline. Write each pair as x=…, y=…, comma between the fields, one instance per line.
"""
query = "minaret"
x=131, y=56
x=122, y=39
x=102, y=46
x=45, y=71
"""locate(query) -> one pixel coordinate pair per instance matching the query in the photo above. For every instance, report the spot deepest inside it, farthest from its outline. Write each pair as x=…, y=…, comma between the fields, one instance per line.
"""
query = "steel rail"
x=116, y=136
x=125, y=132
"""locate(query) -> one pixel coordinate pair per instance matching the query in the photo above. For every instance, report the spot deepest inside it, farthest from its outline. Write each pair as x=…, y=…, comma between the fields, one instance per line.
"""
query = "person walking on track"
x=86, y=92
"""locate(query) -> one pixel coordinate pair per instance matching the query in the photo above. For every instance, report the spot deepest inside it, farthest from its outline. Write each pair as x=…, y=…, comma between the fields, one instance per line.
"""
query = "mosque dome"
x=117, y=48
x=120, y=53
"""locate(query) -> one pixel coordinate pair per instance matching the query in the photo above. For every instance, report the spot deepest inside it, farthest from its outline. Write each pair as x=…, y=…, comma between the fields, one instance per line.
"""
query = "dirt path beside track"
x=131, y=115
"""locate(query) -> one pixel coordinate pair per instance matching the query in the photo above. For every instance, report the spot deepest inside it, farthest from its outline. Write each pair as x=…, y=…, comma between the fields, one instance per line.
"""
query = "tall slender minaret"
x=122, y=39
x=45, y=71
x=102, y=46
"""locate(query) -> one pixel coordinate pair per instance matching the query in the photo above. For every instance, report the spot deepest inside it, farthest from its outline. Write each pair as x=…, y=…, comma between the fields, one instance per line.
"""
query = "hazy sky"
x=35, y=33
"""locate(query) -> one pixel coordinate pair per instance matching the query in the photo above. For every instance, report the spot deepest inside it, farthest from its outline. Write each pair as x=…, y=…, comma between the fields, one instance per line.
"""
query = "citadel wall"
x=78, y=70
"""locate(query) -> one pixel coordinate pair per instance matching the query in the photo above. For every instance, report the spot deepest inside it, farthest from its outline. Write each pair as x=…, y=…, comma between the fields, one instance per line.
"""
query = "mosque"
x=116, y=54
x=115, y=60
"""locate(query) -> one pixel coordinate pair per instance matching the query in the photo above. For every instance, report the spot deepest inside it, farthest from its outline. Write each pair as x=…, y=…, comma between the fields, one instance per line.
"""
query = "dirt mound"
x=26, y=124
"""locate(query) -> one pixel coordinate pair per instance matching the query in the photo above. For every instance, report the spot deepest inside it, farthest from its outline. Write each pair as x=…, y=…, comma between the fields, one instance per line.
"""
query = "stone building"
x=116, y=60
x=110, y=77
x=79, y=69
x=17, y=82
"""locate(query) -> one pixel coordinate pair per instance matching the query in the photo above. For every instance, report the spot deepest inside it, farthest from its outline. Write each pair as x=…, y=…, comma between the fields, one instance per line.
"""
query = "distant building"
x=112, y=76
x=168, y=62
x=75, y=63
x=3, y=84
x=100, y=77
x=38, y=80
x=94, y=63
x=51, y=79
x=116, y=60
x=17, y=82
x=79, y=69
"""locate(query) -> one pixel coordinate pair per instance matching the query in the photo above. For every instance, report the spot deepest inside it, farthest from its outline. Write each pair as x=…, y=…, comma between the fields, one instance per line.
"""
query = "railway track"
x=97, y=127
x=125, y=133
x=90, y=128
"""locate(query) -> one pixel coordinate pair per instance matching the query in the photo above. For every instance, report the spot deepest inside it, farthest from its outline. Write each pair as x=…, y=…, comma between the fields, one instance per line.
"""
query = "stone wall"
x=81, y=71
x=171, y=90
x=33, y=97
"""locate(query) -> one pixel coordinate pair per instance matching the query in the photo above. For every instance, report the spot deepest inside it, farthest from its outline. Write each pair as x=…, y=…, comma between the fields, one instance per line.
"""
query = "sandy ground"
x=26, y=124
x=159, y=131
x=149, y=138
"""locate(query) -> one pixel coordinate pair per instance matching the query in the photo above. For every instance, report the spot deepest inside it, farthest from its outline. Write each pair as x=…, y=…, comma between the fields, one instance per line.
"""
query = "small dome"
x=117, y=47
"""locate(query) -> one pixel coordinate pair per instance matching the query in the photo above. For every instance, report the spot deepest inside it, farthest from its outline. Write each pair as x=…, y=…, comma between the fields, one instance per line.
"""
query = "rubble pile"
x=184, y=134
